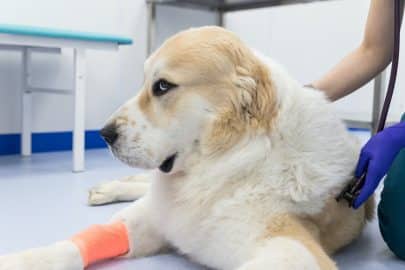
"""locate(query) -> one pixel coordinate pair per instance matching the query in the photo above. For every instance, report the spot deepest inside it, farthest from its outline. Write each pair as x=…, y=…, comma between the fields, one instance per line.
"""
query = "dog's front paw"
x=60, y=256
x=103, y=194
x=128, y=189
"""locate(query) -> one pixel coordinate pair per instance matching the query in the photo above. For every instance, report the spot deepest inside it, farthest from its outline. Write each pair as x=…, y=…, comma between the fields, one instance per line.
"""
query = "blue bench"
x=29, y=39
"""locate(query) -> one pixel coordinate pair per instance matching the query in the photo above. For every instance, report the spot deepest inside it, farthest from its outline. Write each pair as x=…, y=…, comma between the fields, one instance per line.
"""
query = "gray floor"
x=43, y=202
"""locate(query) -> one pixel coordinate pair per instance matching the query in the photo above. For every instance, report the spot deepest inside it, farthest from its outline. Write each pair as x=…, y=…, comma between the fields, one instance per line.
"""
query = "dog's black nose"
x=109, y=133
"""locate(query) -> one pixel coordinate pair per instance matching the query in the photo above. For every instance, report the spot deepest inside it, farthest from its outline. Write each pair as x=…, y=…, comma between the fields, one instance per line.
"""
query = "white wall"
x=308, y=39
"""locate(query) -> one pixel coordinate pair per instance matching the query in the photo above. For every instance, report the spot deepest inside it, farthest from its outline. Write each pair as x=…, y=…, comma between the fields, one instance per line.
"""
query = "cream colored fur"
x=260, y=160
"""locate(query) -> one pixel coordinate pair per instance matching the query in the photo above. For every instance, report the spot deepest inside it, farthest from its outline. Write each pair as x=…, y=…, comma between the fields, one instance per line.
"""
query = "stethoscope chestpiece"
x=352, y=190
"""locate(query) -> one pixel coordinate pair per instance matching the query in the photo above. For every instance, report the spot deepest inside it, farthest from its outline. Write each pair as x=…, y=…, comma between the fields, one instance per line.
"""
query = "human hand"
x=376, y=158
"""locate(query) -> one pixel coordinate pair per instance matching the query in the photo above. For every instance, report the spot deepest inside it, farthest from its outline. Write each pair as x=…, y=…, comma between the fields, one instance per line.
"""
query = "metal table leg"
x=378, y=100
x=151, y=27
x=220, y=18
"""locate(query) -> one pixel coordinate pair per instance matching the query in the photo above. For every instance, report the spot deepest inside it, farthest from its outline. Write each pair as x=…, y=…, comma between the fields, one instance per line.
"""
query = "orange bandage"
x=100, y=242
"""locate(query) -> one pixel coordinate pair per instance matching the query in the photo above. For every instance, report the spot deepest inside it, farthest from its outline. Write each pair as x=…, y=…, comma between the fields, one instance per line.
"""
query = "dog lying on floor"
x=246, y=164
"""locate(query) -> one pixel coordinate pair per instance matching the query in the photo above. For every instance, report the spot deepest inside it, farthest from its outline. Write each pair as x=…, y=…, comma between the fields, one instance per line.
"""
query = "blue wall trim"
x=359, y=129
x=47, y=142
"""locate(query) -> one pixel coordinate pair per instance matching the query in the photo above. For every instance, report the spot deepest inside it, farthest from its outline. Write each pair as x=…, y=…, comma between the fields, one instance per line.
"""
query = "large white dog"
x=246, y=164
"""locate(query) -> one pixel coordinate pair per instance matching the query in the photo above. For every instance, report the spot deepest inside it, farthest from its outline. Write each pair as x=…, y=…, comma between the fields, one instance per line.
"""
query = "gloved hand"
x=376, y=158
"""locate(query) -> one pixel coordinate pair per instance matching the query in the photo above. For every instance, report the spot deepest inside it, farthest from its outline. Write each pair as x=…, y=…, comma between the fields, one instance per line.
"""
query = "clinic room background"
x=48, y=196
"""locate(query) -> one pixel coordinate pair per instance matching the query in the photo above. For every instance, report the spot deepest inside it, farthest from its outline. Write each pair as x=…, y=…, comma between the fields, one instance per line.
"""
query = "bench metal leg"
x=26, y=105
x=79, y=70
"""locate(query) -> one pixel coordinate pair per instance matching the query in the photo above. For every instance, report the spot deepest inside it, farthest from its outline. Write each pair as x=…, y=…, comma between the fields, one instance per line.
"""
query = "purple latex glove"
x=376, y=158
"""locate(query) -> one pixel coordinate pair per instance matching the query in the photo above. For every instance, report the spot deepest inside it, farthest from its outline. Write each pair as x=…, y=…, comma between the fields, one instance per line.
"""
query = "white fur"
x=215, y=209
x=138, y=138
x=154, y=143
x=282, y=253
x=127, y=189
x=60, y=256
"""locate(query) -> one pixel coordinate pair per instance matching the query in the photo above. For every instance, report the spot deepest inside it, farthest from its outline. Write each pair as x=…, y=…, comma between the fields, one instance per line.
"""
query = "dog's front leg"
x=143, y=240
x=59, y=256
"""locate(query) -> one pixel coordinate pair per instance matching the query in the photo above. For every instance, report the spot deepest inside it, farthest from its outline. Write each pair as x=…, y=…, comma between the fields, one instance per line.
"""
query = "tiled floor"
x=42, y=201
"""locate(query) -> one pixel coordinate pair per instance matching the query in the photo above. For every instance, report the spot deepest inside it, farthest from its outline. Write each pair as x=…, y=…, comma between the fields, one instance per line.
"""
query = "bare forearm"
x=355, y=70
x=371, y=57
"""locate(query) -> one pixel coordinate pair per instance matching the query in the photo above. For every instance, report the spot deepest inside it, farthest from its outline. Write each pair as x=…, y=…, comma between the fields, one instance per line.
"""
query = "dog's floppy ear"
x=252, y=101
x=256, y=95
x=246, y=85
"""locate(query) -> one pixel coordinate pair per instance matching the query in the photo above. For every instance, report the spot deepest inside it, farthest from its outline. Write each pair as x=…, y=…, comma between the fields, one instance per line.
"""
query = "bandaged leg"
x=130, y=234
x=101, y=242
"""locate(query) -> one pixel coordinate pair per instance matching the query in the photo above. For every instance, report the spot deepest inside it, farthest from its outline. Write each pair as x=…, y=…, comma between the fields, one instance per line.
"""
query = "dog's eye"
x=161, y=87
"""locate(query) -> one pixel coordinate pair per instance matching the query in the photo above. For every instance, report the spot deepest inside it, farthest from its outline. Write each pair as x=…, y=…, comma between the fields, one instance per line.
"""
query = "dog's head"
x=203, y=90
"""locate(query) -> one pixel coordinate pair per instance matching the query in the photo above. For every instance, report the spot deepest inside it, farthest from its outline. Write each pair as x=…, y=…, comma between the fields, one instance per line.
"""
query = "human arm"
x=360, y=66
x=372, y=55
